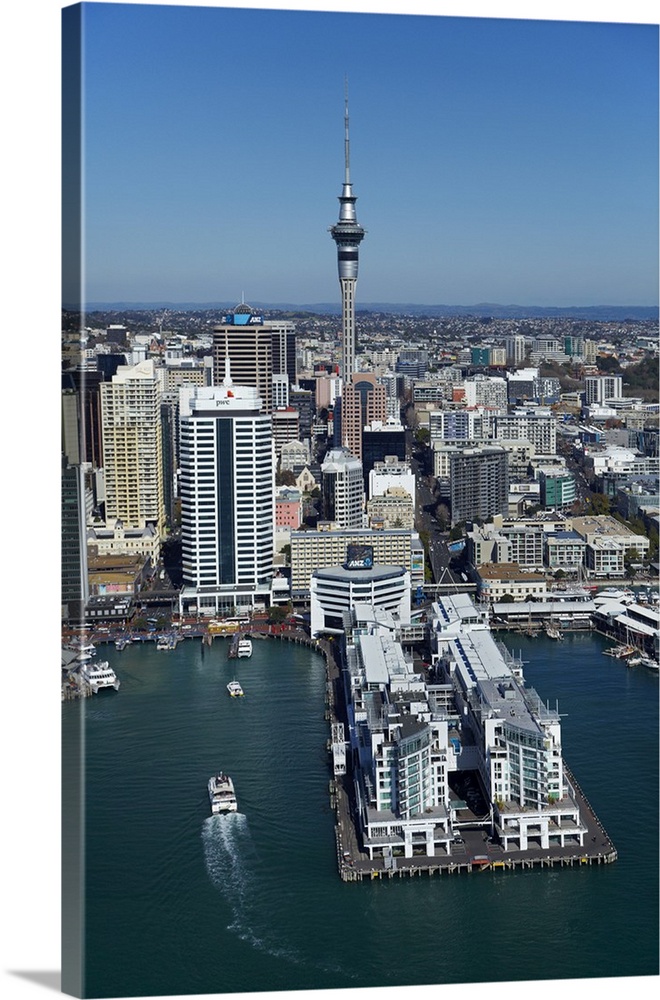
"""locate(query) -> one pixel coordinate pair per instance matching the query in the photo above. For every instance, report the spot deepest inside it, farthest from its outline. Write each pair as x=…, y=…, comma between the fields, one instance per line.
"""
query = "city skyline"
x=494, y=160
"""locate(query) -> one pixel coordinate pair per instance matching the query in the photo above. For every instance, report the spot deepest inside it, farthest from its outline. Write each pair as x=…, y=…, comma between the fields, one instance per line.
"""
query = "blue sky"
x=495, y=160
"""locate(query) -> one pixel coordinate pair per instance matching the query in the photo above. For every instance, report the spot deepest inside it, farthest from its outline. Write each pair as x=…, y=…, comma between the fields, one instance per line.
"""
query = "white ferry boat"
x=99, y=675
x=235, y=689
x=221, y=794
x=244, y=648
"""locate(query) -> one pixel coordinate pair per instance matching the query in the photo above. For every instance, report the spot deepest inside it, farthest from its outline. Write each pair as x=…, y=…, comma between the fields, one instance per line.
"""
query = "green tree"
x=598, y=503
x=285, y=477
x=631, y=558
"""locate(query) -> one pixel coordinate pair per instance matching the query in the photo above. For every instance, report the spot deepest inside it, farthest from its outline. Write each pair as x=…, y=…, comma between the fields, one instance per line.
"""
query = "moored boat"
x=244, y=648
x=99, y=675
x=221, y=794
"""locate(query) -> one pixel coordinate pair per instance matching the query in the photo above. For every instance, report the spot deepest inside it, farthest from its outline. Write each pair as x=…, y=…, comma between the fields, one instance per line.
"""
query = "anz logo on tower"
x=243, y=319
x=359, y=556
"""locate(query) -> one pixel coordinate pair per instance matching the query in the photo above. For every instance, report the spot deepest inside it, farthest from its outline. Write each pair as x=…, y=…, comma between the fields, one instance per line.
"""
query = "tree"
x=559, y=575
x=276, y=614
x=285, y=477
x=442, y=516
x=630, y=562
x=609, y=364
x=598, y=503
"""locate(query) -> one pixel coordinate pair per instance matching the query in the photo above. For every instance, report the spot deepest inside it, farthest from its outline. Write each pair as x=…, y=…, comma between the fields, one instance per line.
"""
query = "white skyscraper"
x=227, y=498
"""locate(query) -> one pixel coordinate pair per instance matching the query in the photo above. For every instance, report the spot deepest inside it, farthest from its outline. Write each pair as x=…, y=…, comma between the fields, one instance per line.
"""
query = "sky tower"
x=348, y=235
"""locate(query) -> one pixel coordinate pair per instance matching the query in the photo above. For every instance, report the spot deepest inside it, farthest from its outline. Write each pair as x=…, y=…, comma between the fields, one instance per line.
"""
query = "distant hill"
x=481, y=309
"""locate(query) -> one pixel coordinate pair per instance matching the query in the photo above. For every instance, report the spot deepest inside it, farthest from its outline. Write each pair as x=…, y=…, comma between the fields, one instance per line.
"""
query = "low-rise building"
x=558, y=489
x=121, y=541
x=601, y=530
x=336, y=589
x=496, y=580
x=294, y=456
x=288, y=508
x=118, y=574
x=565, y=550
x=392, y=509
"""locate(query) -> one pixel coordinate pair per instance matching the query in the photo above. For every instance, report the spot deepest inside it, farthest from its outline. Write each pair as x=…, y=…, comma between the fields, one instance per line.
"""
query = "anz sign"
x=359, y=557
x=243, y=319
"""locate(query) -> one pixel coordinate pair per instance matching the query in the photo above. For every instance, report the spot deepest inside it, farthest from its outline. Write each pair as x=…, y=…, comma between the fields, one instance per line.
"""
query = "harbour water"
x=178, y=901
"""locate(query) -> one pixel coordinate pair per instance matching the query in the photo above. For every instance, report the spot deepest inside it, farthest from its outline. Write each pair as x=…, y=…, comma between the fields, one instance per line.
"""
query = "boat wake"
x=231, y=861
x=233, y=867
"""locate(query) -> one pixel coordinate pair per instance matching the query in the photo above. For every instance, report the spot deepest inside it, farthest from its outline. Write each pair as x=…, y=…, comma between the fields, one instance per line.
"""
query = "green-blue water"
x=181, y=902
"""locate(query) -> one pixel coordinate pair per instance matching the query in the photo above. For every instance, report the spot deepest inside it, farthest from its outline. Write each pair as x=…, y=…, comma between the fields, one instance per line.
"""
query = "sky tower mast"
x=348, y=235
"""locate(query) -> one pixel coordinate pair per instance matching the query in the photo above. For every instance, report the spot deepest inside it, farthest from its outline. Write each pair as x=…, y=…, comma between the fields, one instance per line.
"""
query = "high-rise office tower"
x=132, y=447
x=75, y=585
x=227, y=498
x=363, y=400
x=348, y=235
x=248, y=341
x=86, y=386
x=259, y=349
x=284, y=349
x=381, y=438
